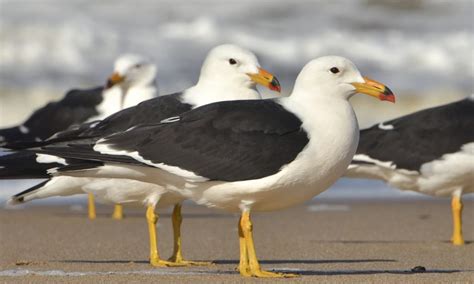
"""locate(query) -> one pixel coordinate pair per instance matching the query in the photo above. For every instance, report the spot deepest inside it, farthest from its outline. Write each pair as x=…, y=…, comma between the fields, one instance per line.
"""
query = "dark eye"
x=334, y=70
x=137, y=66
x=232, y=61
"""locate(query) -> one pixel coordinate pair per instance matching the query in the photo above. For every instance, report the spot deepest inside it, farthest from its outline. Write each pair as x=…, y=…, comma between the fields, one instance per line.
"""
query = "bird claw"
x=189, y=262
x=165, y=263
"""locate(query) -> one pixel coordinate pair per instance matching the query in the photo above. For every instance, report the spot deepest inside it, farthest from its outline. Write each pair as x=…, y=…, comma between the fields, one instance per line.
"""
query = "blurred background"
x=422, y=49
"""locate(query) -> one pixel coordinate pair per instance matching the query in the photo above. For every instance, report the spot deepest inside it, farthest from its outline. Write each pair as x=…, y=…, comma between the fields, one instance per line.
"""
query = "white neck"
x=317, y=107
x=136, y=95
x=328, y=121
x=210, y=92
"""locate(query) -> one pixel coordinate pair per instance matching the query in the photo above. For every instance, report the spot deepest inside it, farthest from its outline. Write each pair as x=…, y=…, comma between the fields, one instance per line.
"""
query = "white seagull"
x=430, y=151
x=242, y=156
x=229, y=72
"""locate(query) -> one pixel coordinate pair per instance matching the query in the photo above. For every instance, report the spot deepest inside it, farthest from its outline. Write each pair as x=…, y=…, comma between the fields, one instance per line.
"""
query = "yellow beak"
x=375, y=89
x=113, y=80
x=266, y=79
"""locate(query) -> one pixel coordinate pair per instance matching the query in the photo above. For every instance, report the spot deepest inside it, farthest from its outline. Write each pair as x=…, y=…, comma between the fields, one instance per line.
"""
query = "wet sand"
x=376, y=242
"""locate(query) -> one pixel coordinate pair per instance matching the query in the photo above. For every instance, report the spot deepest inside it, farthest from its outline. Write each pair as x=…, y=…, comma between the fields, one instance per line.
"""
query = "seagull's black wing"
x=150, y=111
x=420, y=137
x=146, y=112
x=76, y=107
x=228, y=141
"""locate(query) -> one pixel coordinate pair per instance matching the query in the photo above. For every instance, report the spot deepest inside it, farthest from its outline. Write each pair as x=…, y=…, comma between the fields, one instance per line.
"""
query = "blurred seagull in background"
x=430, y=151
x=229, y=72
x=135, y=78
x=132, y=81
x=240, y=156
x=86, y=105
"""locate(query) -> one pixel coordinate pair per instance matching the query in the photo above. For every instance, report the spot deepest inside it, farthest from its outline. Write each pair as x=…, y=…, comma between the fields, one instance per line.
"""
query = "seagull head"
x=234, y=66
x=338, y=76
x=131, y=70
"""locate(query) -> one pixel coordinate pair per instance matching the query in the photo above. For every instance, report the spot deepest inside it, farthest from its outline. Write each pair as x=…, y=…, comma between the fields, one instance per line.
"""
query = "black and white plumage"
x=430, y=151
x=237, y=141
x=79, y=106
x=242, y=155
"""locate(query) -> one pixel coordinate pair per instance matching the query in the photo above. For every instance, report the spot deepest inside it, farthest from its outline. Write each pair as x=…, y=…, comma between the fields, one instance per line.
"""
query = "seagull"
x=430, y=151
x=80, y=106
x=241, y=156
x=229, y=72
x=135, y=77
x=132, y=81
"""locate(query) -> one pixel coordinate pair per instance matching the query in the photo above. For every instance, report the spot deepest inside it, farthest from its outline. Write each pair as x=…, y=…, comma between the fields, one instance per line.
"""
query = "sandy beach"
x=371, y=241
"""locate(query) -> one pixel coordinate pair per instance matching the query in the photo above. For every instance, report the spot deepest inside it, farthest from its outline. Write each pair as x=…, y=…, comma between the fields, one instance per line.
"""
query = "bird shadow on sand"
x=305, y=261
x=236, y=262
x=301, y=272
x=465, y=243
x=385, y=241
x=366, y=272
x=107, y=215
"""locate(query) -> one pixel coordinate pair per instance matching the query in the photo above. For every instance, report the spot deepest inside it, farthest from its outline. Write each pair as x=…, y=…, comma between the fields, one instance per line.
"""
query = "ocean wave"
x=48, y=41
x=50, y=46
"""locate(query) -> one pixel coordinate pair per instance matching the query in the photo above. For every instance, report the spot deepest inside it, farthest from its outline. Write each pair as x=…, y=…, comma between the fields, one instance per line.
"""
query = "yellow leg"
x=91, y=206
x=177, y=256
x=254, y=268
x=155, y=259
x=456, y=206
x=244, y=257
x=118, y=212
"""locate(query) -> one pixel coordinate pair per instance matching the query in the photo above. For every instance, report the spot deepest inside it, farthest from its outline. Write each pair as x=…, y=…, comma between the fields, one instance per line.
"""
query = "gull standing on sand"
x=229, y=72
x=430, y=151
x=243, y=156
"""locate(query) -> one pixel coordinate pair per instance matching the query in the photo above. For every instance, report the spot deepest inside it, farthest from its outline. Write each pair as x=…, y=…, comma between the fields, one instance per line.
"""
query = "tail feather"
x=25, y=195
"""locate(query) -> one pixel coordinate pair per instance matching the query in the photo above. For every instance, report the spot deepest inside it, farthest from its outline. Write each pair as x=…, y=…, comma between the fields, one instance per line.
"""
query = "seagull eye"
x=232, y=61
x=137, y=66
x=334, y=70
